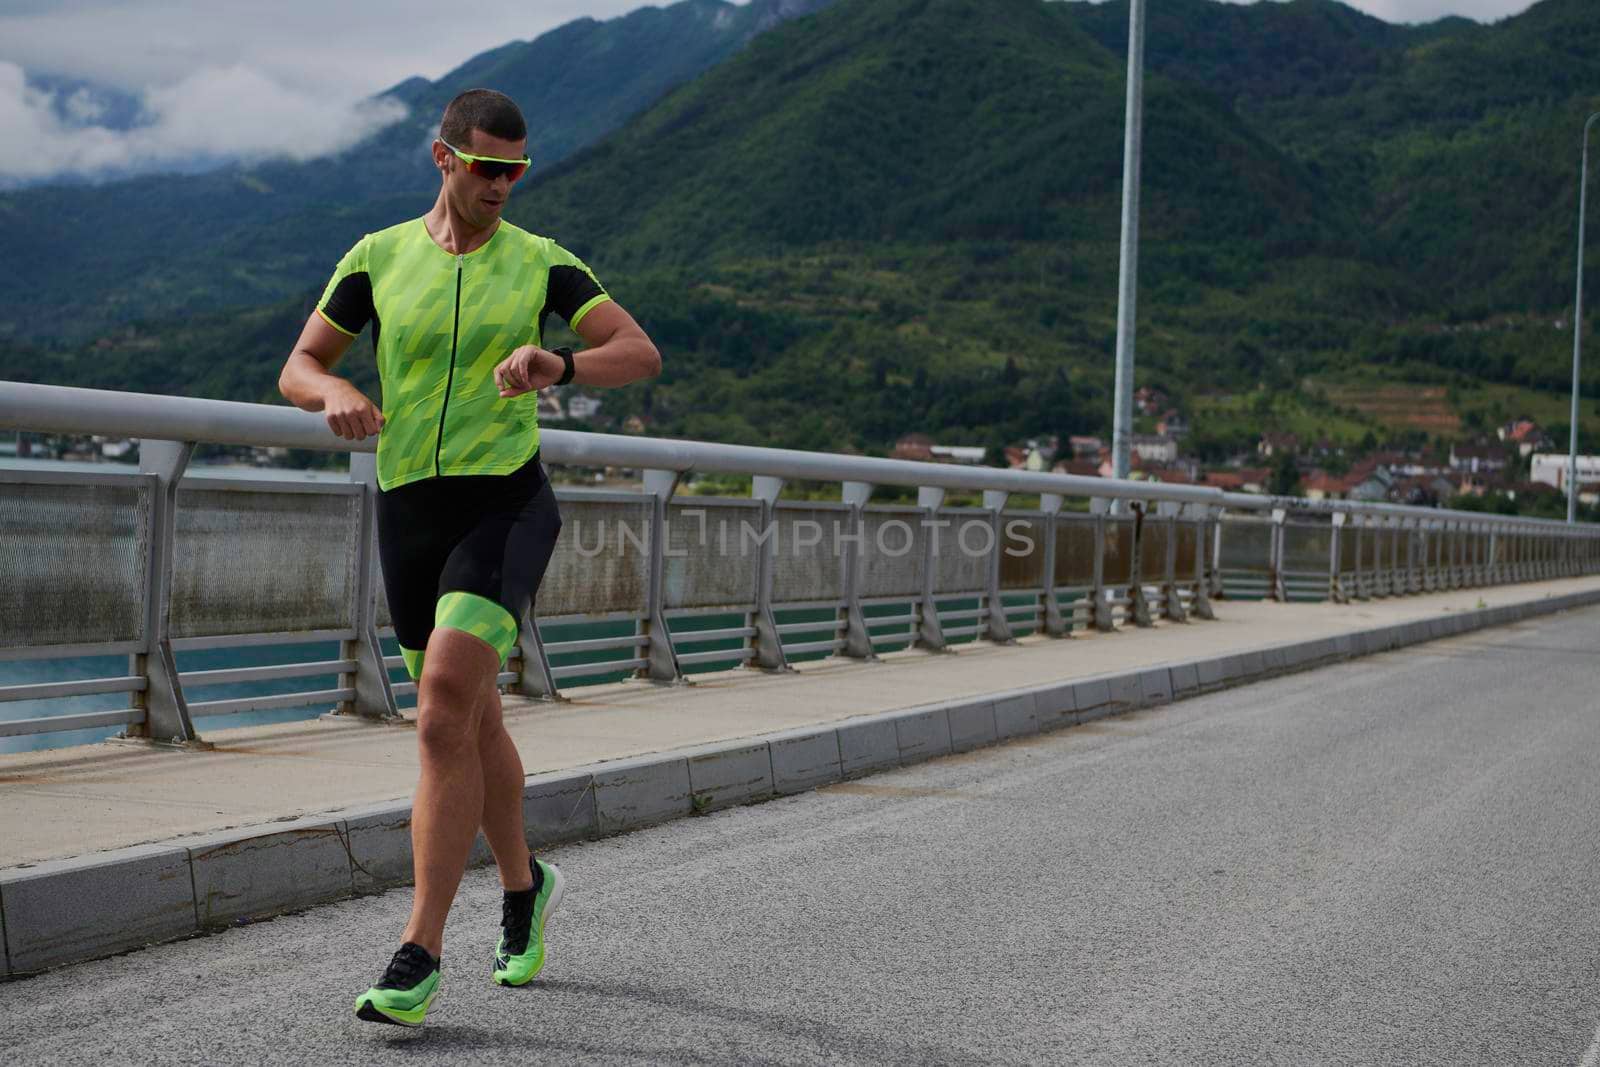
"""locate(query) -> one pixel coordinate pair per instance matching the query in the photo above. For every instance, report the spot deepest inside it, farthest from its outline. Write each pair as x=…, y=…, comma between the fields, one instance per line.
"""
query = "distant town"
x=1517, y=463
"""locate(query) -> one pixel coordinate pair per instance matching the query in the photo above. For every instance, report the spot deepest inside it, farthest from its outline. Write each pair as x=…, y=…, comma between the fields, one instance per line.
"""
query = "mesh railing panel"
x=720, y=555
x=601, y=563
x=1022, y=551
x=1075, y=539
x=1153, y=549
x=1369, y=549
x=1185, y=567
x=1306, y=548
x=259, y=561
x=1382, y=548
x=380, y=611
x=805, y=571
x=1118, y=566
x=962, y=550
x=891, y=555
x=72, y=563
x=1247, y=545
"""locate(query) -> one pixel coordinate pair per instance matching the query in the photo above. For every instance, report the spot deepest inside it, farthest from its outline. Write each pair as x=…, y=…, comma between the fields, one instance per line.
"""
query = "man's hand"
x=350, y=414
x=526, y=369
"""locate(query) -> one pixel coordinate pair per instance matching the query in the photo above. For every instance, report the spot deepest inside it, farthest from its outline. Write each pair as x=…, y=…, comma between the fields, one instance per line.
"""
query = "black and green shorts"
x=466, y=552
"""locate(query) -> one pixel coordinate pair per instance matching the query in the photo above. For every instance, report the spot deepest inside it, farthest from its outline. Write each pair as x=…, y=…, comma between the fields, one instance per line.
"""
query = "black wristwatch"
x=566, y=357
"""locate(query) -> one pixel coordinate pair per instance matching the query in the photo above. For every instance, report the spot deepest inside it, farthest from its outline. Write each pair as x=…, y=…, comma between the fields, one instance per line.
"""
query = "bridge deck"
x=69, y=802
x=1389, y=861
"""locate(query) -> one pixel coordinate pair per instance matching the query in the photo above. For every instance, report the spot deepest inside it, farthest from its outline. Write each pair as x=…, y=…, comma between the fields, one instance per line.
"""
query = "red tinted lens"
x=489, y=170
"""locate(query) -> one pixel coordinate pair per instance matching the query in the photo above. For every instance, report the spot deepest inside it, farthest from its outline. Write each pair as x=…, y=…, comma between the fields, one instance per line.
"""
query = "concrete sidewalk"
x=70, y=802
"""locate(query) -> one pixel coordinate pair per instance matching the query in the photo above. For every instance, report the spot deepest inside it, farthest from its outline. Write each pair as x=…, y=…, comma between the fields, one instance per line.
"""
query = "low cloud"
x=211, y=115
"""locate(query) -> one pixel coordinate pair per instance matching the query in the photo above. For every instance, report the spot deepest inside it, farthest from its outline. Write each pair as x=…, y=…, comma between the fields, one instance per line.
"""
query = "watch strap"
x=566, y=357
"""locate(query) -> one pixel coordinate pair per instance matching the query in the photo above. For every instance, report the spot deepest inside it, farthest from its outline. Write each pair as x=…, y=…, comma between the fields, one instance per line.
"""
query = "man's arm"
x=308, y=382
x=618, y=352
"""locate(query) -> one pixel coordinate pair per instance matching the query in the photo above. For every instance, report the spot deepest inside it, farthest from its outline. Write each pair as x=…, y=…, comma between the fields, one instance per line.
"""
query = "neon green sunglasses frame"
x=473, y=163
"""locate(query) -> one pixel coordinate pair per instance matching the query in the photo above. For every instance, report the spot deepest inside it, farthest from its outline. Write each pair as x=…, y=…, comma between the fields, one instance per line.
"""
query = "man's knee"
x=453, y=698
x=447, y=728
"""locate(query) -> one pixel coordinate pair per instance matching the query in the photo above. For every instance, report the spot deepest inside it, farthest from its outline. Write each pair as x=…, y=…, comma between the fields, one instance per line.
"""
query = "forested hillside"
x=898, y=215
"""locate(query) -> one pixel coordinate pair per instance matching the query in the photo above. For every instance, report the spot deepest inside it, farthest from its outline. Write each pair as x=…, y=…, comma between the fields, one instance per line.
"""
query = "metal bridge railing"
x=162, y=562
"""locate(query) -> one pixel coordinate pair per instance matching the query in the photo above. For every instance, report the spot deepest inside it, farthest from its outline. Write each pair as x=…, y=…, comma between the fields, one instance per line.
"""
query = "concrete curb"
x=68, y=911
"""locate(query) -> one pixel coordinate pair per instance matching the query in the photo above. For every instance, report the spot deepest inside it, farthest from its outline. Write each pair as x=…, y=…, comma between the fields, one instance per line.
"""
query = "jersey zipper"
x=455, y=332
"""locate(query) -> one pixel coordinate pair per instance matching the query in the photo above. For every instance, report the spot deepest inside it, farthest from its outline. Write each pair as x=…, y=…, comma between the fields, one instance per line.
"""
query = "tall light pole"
x=1128, y=280
x=1577, y=331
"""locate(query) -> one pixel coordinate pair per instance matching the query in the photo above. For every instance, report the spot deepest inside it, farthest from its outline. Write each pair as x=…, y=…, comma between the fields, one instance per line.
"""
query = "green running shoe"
x=520, y=954
x=407, y=987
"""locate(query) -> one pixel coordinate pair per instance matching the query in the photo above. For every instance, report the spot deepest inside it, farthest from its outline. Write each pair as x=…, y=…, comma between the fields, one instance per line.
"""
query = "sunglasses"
x=489, y=167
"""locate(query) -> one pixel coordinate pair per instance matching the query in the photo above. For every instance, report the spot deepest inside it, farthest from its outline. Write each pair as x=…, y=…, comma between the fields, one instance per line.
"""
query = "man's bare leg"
x=455, y=689
x=502, y=798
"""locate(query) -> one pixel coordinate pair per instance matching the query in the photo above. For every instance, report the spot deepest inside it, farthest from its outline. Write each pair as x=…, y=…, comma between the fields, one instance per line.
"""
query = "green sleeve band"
x=586, y=308
x=482, y=618
x=335, y=325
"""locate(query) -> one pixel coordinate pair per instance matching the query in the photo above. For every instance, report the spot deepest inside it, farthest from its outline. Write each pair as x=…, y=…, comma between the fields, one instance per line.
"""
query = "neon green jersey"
x=441, y=324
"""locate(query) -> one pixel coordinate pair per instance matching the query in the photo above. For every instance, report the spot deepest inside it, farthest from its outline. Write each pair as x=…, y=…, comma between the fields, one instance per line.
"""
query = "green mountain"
x=1455, y=142
x=899, y=215
x=179, y=245
x=920, y=121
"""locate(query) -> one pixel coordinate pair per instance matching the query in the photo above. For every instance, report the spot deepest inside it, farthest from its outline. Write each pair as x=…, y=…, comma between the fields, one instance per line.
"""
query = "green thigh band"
x=413, y=659
x=479, y=616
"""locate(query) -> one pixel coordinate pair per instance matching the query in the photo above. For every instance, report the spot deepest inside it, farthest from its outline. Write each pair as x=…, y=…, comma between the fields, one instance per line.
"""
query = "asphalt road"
x=1394, y=861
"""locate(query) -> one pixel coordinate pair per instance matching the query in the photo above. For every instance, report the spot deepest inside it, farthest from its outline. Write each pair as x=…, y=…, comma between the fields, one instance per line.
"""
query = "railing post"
x=1050, y=507
x=1167, y=511
x=999, y=628
x=1138, y=605
x=1409, y=529
x=1383, y=555
x=768, y=642
x=1336, y=590
x=1280, y=591
x=858, y=640
x=1201, y=607
x=1480, y=555
x=1403, y=549
x=1367, y=534
x=1452, y=542
x=930, y=634
x=374, y=698
x=1218, y=590
x=1439, y=568
x=166, y=711
x=663, y=668
x=1104, y=615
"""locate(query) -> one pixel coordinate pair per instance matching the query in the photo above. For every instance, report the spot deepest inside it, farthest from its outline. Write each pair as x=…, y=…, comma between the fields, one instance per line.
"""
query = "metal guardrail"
x=158, y=563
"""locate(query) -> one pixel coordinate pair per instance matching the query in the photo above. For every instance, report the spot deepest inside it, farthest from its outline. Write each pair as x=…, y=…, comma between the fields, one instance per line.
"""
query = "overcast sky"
x=250, y=78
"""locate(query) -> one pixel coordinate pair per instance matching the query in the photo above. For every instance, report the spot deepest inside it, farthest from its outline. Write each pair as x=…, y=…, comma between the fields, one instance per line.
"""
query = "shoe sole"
x=371, y=1013
x=558, y=888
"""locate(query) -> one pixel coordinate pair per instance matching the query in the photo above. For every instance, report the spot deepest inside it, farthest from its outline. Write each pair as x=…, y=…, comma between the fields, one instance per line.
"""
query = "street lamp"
x=1577, y=331
x=1128, y=272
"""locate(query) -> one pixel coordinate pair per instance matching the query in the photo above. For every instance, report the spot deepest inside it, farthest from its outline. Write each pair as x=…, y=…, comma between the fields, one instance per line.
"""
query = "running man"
x=467, y=521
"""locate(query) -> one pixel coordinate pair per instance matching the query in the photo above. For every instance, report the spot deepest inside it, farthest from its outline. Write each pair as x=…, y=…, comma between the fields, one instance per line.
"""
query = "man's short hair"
x=496, y=114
